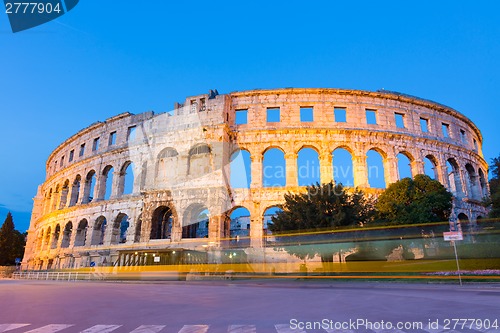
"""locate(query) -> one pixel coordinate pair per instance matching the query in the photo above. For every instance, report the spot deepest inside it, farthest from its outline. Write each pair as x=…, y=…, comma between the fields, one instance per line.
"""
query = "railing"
x=57, y=276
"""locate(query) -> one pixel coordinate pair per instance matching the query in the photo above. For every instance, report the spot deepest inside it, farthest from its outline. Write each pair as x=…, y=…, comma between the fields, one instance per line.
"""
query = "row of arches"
x=345, y=168
x=70, y=235
x=195, y=224
x=274, y=168
x=238, y=224
x=109, y=183
x=94, y=186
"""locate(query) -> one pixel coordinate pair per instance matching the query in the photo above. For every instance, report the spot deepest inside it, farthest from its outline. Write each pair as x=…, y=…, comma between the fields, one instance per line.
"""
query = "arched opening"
x=39, y=245
x=75, y=190
x=464, y=222
x=404, y=166
x=199, y=160
x=195, y=221
x=89, y=187
x=472, y=183
x=274, y=168
x=47, y=238
x=454, y=177
x=68, y=229
x=107, y=183
x=343, y=170
x=240, y=169
x=376, y=172
x=239, y=230
x=81, y=233
x=120, y=227
x=99, y=231
x=47, y=203
x=308, y=170
x=483, y=183
x=55, y=238
x=127, y=179
x=161, y=224
x=430, y=167
x=55, y=197
x=167, y=164
x=138, y=226
x=268, y=215
x=64, y=194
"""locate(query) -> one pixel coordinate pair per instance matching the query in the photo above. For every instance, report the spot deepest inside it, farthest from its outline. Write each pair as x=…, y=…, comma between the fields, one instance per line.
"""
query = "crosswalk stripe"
x=8, y=327
x=148, y=329
x=285, y=328
x=49, y=328
x=101, y=329
x=242, y=329
x=194, y=329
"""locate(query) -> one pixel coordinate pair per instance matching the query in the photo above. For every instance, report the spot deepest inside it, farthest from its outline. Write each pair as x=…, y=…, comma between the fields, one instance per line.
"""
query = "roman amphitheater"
x=152, y=183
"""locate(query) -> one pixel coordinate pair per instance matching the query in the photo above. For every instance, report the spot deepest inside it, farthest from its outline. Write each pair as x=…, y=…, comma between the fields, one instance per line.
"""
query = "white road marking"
x=285, y=328
x=8, y=327
x=50, y=328
x=101, y=329
x=194, y=329
x=148, y=329
x=242, y=329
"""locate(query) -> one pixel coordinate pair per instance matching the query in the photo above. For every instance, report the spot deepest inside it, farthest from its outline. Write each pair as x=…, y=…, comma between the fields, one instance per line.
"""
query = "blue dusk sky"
x=107, y=57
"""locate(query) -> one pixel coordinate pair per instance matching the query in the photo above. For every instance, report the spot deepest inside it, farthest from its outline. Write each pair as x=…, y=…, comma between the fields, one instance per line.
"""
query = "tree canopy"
x=494, y=199
x=324, y=207
x=411, y=201
x=11, y=242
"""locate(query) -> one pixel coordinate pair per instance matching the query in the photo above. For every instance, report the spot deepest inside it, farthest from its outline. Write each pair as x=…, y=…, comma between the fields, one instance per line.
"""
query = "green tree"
x=11, y=242
x=494, y=199
x=324, y=207
x=411, y=201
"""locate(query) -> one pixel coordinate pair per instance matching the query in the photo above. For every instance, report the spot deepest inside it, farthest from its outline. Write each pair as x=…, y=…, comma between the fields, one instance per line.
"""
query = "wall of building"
x=180, y=165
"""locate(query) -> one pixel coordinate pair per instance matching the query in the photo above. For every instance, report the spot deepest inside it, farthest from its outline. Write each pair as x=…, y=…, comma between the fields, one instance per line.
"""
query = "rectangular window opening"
x=241, y=117
x=371, y=117
x=306, y=114
x=400, y=120
x=95, y=144
x=475, y=145
x=463, y=137
x=273, y=115
x=131, y=133
x=194, y=106
x=424, y=125
x=62, y=161
x=203, y=105
x=71, y=155
x=82, y=150
x=446, y=130
x=340, y=115
x=112, y=138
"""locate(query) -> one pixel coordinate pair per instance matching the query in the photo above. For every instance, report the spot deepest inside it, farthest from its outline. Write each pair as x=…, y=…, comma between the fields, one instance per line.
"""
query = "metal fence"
x=57, y=276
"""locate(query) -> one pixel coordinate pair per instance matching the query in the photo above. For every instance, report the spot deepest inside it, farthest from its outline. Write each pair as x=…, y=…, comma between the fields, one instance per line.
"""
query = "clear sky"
x=107, y=57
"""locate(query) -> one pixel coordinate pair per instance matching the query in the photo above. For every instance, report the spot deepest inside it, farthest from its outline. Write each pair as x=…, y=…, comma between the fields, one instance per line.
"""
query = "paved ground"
x=242, y=307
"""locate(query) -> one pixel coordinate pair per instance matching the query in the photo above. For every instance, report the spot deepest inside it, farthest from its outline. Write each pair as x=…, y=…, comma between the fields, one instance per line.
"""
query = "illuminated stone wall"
x=180, y=166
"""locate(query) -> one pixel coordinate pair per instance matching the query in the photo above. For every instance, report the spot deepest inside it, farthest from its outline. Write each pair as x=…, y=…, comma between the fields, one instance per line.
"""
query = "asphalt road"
x=242, y=307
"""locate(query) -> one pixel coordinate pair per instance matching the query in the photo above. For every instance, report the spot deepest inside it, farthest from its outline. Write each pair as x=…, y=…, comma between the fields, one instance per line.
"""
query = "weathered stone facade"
x=180, y=165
